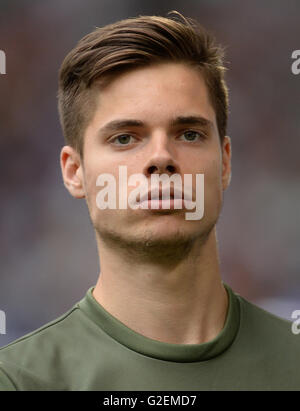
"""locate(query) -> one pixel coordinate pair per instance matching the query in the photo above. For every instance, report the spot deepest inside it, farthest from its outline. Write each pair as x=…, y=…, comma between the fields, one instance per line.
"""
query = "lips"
x=169, y=193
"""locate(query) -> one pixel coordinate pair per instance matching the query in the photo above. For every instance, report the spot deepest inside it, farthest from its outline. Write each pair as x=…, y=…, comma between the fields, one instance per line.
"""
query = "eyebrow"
x=118, y=124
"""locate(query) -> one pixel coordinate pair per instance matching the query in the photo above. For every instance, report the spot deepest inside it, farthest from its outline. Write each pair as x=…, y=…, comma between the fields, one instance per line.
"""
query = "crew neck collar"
x=161, y=350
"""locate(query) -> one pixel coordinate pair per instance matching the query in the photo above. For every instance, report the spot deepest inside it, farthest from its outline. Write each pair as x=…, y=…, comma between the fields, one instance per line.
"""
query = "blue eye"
x=190, y=134
x=123, y=139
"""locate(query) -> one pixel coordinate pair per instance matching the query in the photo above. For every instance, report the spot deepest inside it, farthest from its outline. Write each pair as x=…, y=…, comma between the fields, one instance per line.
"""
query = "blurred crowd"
x=48, y=250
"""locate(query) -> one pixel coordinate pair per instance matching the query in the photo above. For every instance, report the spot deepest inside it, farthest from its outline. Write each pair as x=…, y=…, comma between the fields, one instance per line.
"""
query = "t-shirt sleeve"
x=5, y=382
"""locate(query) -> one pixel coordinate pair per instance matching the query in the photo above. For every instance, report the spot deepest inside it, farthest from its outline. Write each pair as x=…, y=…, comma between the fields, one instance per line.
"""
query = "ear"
x=72, y=171
x=226, y=162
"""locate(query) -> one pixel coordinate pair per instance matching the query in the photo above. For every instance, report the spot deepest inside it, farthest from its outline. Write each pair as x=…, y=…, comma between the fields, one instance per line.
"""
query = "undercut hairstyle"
x=102, y=55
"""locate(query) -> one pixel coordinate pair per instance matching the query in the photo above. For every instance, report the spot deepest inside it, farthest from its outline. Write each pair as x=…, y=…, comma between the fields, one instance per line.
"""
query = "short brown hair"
x=130, y=43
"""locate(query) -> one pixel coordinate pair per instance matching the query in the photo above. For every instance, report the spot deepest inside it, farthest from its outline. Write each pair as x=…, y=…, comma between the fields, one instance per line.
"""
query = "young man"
x=148, y=94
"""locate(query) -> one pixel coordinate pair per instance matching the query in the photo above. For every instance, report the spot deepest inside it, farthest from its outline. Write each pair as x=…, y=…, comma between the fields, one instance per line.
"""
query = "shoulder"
x=265, y=353
x=54, y=327
x=267, y=331
x=30, y=360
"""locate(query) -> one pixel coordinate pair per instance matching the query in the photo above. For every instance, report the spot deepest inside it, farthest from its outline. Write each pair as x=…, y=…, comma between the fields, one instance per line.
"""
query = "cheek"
x=92, y=172
x=214, y=172
x=213, y=184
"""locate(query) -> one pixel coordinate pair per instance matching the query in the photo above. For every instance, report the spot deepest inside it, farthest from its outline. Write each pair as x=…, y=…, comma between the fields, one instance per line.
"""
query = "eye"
x=123, y=139
x=192, y=135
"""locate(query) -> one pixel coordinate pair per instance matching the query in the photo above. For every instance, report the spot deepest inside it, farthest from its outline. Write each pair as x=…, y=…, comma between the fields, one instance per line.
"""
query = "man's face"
x=155, y=96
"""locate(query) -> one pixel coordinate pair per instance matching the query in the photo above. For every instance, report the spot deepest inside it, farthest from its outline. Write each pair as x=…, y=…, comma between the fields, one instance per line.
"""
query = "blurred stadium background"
x=48, y=251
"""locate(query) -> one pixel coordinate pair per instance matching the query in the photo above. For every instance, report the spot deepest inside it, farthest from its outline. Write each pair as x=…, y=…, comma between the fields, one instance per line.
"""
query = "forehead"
x=156, y=93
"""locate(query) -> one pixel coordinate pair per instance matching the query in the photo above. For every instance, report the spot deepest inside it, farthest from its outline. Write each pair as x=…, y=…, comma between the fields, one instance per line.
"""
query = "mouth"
x=163, y=199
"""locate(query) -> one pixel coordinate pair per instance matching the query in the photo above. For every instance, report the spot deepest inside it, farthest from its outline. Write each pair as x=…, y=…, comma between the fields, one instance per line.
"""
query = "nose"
x=161, y=160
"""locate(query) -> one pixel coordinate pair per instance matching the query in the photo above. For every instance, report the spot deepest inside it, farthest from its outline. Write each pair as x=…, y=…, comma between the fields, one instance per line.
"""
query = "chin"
x=167, y=231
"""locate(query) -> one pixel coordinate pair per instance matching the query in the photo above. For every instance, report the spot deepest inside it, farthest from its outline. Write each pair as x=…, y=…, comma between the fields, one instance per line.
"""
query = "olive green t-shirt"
x=88, y=349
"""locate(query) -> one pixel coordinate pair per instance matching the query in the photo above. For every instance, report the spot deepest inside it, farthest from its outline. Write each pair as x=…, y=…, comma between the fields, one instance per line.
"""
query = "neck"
x=183, y=302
